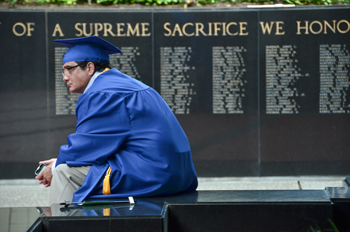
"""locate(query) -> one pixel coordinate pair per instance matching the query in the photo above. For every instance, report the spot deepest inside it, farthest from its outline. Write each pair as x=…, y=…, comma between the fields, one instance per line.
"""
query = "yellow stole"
x=106, y=69
x=106, y=189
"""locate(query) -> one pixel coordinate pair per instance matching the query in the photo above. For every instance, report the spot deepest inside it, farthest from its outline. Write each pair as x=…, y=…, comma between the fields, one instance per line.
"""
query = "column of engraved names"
x=176, y=88
x=334, y=78
x=65, y=100
x=228, y=83
x=125, y=62
x=282, y=73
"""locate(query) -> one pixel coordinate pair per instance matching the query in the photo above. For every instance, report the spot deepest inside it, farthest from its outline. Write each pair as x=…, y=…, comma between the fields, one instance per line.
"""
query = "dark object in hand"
x=39, y=169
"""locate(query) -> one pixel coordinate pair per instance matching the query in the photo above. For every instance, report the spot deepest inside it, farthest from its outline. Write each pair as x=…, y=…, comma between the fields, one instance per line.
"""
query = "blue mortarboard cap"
x=90, y=48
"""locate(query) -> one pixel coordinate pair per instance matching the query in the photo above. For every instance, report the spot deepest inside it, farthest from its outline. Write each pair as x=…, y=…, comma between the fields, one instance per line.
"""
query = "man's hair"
x=99, y=67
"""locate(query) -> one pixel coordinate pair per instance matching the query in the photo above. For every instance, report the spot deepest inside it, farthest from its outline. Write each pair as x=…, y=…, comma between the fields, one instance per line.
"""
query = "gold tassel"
x=106, y=183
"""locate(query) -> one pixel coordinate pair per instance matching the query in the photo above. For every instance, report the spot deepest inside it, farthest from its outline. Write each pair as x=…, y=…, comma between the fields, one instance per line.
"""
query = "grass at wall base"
x=196, y=3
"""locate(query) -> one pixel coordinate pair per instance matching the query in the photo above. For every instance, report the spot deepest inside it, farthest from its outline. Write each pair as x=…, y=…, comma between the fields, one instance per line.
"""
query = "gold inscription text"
x=108, y=29
x=26, y=28
x=190, y=29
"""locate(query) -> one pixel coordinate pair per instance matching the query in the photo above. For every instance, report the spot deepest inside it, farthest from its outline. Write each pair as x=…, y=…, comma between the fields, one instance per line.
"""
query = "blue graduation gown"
x=125, y=124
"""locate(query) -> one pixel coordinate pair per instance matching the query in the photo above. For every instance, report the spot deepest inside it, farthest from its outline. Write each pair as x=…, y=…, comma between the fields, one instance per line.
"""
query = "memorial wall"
x=259, y=92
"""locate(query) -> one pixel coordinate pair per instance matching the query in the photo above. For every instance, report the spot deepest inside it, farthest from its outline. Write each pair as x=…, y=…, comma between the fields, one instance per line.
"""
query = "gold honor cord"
x=106, y=183
x=106, y=189
x=106, y=69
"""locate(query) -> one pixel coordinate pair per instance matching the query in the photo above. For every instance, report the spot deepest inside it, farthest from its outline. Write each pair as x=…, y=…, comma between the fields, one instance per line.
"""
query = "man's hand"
x=46, y=175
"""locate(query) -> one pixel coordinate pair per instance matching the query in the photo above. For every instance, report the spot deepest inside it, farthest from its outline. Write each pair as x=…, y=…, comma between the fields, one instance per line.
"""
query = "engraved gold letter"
x=266, y=27
x=278, y=27
x=165, y=27
x=223, y=29
x=108, y=29
x=306, y=27
x=98, y=27
x=343, y=21
x=177, y=29
x=76, y=26
x=184, y=29
x=228, y=28
x=216, y=28
x=209, y=30
x=84, y=30
x=199, y=28
x=130, y=31
x=326, y=24
x=59, y=30
x=145, y=29
x=120, y=30
x=30, y=29
x=19, y=24
x=316, y=32
x=242, y=28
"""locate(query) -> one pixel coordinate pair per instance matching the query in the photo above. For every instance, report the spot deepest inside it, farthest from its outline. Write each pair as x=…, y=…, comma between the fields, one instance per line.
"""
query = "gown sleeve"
x=103, y=124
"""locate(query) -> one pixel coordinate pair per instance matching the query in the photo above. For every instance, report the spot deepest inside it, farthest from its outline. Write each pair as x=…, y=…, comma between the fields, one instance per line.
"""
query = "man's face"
x=76, y=78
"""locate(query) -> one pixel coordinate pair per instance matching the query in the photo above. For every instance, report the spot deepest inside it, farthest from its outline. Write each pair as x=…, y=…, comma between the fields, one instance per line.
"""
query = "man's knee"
x=62, y=169
x=73, y=174
x=73, y=171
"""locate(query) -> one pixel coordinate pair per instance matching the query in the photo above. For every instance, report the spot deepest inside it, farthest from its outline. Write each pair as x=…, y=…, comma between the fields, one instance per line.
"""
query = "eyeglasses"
x=66, y=71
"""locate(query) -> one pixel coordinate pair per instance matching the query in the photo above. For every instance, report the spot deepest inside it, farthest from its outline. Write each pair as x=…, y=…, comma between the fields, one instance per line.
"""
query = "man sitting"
x=126, y=134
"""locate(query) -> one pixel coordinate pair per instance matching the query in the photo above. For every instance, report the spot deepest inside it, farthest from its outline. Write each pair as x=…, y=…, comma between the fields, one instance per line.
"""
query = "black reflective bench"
x=266, y=210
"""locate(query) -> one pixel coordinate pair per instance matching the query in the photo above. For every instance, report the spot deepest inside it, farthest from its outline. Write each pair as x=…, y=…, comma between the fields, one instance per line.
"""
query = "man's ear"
x=91, y=68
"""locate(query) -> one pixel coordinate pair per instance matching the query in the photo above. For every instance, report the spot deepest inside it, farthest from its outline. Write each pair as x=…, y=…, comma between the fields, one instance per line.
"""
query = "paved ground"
x=28, y=193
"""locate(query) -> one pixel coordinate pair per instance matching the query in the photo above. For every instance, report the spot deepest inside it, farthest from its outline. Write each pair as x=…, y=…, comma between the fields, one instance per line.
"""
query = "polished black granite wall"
x=291, y=138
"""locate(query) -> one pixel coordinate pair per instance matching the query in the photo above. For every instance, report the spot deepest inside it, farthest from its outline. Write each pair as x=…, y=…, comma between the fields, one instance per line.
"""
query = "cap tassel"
x=106, y=183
